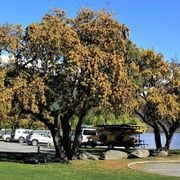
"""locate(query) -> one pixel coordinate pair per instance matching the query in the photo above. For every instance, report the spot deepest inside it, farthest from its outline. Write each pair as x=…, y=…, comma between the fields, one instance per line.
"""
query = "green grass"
x=80, y=170
x=12, y=169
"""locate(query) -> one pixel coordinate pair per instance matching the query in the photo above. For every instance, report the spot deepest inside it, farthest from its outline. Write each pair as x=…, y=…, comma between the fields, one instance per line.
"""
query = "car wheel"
x=21, y=140
x=34, y=142
x=7, y=139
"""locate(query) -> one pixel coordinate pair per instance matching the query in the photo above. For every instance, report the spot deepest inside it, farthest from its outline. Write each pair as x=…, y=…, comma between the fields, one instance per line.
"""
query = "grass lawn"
x=80, y=170
x=12, y=169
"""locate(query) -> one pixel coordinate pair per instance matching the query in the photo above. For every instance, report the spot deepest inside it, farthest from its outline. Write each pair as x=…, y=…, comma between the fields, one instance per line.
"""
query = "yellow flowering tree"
x=65, y=67
x=158, y=93
x=165, y=97
x=10, y=112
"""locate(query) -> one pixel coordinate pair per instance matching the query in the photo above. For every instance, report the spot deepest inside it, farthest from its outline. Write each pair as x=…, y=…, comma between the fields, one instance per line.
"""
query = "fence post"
x=38, y=149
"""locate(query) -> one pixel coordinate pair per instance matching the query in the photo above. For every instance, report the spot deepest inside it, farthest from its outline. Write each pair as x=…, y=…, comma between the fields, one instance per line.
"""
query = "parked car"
x=4, y=131
x=86, y=133
x=19, y=135
x=6, y=137
x=43, y=138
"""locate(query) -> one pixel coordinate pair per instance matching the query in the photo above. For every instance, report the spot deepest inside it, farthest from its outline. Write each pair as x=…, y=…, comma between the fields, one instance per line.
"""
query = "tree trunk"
x=54, y=128
x=170, y=136
x=76, y=142
x=157, y=137
x=169, y=131
x=66, y=141
x=168, y=141
x=57, y=139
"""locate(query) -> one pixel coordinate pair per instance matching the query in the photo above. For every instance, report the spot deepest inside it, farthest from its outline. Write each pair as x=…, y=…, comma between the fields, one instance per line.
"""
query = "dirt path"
x=169, y=168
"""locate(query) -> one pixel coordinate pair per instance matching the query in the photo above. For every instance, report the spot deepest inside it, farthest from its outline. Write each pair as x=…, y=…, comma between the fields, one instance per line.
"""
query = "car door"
x=45, y=138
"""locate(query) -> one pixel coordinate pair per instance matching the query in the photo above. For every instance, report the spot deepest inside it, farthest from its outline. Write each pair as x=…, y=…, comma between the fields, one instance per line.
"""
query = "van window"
x=89, y=132
x=26, y=132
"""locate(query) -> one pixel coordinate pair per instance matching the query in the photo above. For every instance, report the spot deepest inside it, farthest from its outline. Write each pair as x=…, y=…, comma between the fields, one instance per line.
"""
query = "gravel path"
x=169, y=168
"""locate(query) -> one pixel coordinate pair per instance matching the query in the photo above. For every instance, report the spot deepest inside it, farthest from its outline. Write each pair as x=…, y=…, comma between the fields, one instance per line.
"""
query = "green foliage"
x=93, y=118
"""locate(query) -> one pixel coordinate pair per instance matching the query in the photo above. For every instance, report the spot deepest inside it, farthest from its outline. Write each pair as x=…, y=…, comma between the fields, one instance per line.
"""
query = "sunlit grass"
x=81, y=170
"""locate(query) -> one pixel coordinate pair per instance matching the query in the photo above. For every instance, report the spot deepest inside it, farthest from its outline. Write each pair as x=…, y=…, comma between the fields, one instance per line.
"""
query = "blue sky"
x=152, y=23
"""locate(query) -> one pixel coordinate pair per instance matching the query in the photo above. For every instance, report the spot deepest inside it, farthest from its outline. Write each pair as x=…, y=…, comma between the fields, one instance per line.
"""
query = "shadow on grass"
x=95, y=151
x=25, y=157
x=43, y=155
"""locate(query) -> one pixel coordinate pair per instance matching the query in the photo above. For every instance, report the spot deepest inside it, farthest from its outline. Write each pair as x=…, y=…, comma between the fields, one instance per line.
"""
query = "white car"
x=43, y=138
x=6, y=137
x=19, y=135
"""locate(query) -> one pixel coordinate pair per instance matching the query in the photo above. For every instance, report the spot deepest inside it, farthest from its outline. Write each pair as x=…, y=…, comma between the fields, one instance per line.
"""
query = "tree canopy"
x=63, y=67
x=158, y=82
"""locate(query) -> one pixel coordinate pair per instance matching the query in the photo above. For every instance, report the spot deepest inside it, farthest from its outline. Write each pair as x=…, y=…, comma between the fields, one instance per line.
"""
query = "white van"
x=19, y=135
x=83, y=138
x=86, y=133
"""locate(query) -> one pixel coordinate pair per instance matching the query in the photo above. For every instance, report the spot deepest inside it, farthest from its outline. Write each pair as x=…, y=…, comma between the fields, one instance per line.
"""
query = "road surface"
x=17, y=147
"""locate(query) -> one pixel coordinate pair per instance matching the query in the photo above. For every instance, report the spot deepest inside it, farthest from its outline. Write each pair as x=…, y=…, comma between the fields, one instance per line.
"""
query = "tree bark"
x=54, y=129
x=168, y=141
x=66, y=140
x=76, y=142
x=57, y=139
x=157, y=136
x=170, y=136
x=169, y=130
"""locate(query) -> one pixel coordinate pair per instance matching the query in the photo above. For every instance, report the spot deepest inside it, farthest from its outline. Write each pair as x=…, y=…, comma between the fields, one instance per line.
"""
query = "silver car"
x=43, y=138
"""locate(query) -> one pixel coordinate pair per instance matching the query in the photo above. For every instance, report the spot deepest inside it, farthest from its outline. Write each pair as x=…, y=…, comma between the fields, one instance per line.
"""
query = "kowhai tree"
x=158, y=94
x=64, y=67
